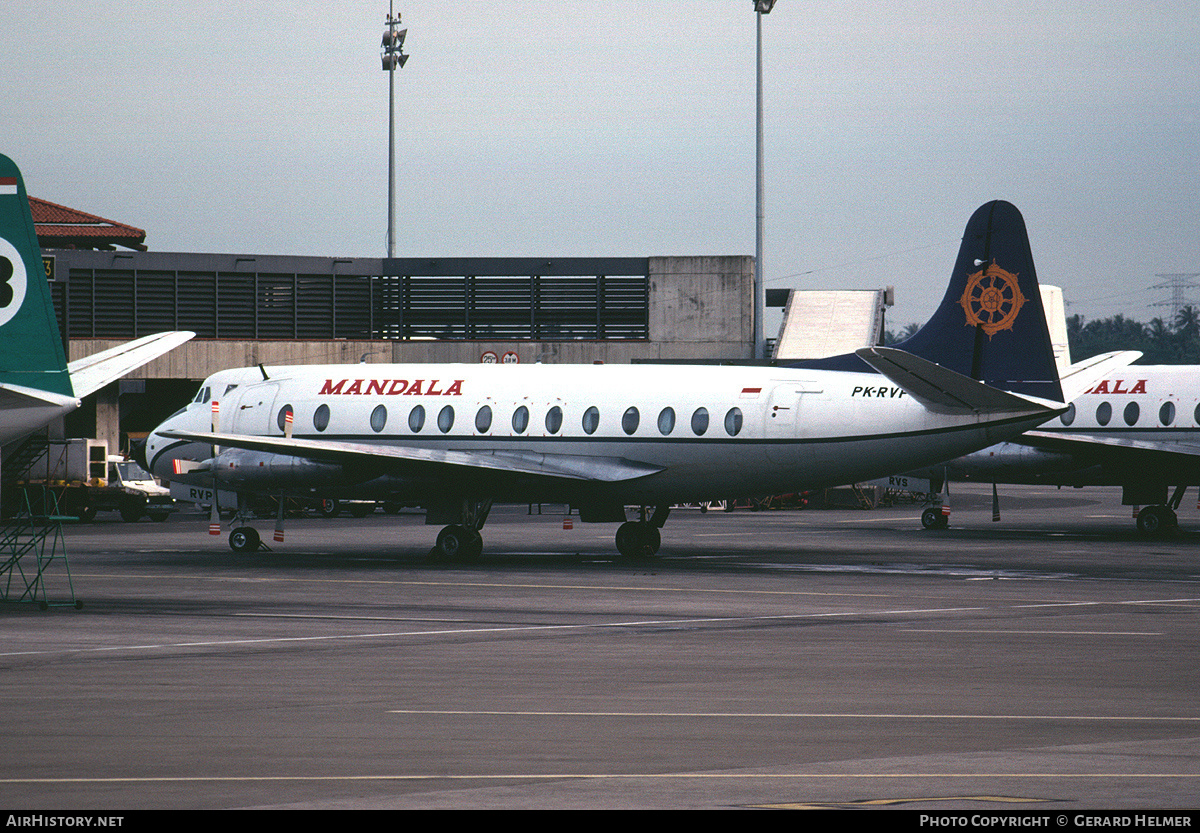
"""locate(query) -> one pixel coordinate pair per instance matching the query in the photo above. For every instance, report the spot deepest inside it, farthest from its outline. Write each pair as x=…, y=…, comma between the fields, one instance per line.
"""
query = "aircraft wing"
x=561, y=466
x=947, y=392
x=1115, y=449
x=93, y=372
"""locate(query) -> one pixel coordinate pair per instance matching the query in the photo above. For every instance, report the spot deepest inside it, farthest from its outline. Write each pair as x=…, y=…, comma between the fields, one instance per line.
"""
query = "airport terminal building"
x=249, y=309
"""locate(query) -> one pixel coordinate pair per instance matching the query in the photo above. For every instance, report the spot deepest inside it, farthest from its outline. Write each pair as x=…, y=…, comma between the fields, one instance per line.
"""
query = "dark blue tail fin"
x=990, y=325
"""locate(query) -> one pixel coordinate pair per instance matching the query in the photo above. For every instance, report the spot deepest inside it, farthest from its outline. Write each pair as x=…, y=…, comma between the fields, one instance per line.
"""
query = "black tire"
x=329, y=508
x=932, y=518
x=1157, y=521
x=450, y=542
x=638, y=540
x=244, y=539
x=132, y=509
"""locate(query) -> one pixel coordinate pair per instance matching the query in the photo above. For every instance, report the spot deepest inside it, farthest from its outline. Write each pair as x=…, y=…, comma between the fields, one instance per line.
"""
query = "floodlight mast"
x=393, y=59
x=761, y=7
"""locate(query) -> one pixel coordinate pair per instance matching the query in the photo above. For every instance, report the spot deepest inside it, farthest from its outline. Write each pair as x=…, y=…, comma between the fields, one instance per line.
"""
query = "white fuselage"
x=1153, y=407
x=714, y=431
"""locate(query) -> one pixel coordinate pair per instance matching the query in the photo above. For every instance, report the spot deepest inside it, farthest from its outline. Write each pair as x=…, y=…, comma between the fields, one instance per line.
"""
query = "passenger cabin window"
x=483, y=419
x=591, y=420
x=1166, y=414
x=733, y=422
x=554, y=420
x=321, y=418
x=1132, y=412
x=446, y=419
x=281, y=420
x=666, y=421
x=520, y=419
x=1103, y=413
x=630, y=420
x=416, y=418
x=1067, y=416
x=700, y=421
x=378, y=418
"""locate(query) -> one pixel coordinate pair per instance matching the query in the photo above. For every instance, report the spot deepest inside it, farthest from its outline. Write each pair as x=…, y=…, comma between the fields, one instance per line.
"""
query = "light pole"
x=761, y=7
x=393, y=58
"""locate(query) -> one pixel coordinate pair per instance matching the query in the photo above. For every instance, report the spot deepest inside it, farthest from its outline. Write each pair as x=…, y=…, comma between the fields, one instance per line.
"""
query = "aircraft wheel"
x=1157, y=521
x=638, y=540
x=457, y=543
x=132, y=509
x=329, y=508
x=932, y=518
x=244, y=539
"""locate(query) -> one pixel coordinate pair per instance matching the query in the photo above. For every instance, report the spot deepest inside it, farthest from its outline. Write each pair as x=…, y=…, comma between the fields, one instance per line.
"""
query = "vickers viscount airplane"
x=456, y=438
x=1138, y=429
x=37, y=385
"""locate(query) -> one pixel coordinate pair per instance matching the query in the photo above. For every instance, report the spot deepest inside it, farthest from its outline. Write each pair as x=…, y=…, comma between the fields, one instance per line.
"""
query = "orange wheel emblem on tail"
x=992, y=299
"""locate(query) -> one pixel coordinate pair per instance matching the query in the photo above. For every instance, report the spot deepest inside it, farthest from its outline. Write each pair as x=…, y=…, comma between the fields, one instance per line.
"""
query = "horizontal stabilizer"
x=1080, y=377
x=90, y=374
x=945, y=391
x=583, y=468
x=17, y=396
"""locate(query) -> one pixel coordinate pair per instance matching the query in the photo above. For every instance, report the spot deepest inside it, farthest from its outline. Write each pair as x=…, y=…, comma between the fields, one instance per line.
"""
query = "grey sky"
x=627, y=128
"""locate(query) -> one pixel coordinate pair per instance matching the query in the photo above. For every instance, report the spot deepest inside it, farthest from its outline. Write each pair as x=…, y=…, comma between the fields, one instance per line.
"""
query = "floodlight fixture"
x=392, y=59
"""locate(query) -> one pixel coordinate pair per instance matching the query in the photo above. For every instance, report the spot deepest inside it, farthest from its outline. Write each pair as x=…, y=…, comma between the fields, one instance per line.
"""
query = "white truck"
x=85, y=479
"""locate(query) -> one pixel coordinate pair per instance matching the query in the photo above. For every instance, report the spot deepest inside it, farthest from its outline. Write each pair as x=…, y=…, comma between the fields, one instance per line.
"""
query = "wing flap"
x=562, y=466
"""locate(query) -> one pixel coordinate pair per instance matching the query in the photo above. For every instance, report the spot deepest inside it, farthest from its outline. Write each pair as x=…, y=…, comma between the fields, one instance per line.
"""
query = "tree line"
x=1176, y=341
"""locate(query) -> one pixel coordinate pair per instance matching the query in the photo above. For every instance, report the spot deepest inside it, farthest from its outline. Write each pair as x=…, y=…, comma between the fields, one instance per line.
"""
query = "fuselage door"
x=249, y=413
x=781, y=421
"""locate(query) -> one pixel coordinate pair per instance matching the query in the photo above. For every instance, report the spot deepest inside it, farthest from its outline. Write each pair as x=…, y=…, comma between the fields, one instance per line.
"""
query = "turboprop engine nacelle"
x=257, y=470
x=1009, y=460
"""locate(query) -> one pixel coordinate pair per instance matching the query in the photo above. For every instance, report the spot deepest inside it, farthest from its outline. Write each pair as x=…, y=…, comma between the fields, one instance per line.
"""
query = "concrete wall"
x=700, y=308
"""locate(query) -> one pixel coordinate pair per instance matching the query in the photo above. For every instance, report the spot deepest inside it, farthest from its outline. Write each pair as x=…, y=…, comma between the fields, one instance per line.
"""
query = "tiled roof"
x=59, y=227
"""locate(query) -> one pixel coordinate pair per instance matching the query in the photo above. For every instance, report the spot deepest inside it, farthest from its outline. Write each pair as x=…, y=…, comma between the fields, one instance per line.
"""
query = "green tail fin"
x=31, y=352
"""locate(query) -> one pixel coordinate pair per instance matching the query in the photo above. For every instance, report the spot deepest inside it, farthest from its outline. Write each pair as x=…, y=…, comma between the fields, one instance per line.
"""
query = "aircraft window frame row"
x=1132, y=412
x=734, y=420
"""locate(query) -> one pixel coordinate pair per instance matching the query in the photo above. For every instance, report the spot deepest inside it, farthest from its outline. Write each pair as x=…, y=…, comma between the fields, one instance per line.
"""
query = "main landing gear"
x=461, y=541
x=1161, y=520
x=641, y=538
